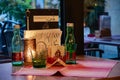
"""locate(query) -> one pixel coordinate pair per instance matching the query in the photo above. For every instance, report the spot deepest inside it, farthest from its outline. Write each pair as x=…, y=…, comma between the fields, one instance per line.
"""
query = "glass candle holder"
x=29, y=50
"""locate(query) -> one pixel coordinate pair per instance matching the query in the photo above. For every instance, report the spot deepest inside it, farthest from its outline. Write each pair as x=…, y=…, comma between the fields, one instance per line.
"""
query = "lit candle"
x=29, y=50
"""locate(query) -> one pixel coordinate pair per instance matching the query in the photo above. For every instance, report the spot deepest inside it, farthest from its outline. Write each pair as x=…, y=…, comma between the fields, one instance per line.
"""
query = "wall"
x=113, y=8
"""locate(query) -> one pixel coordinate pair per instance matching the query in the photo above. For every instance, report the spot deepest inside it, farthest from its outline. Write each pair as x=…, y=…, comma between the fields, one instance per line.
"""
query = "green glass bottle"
x=17, y=58
x=70, y=45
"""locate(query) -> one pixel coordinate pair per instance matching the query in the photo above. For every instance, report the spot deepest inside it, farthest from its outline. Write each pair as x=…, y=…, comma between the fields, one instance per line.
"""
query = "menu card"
x=56, y=56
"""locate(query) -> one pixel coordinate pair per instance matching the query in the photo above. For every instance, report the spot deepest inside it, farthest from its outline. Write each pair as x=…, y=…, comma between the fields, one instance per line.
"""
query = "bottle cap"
x=17, y=26
x=70, y=24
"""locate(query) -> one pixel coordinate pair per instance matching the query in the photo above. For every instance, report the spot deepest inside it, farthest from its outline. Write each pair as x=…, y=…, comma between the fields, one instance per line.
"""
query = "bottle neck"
x=70, y=35
x=70, y=30
x=16, y=31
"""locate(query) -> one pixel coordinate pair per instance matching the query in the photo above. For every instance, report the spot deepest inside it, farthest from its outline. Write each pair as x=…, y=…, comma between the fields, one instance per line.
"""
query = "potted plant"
x=93, y=8
x=15, y=9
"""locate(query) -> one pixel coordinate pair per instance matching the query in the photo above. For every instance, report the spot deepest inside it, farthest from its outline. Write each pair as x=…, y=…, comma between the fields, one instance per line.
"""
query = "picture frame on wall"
x=105, y=25
x=105, y=22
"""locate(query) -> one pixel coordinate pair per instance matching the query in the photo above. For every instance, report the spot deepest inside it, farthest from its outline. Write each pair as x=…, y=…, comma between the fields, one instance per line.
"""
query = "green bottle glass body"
x=70, y=45
x=17, y=56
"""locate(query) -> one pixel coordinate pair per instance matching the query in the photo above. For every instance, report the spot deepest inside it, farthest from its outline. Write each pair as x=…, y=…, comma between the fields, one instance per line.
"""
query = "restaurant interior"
x=96, y=32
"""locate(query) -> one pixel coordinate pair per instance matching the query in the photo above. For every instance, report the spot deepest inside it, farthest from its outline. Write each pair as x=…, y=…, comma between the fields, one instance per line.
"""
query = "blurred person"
x=86, y=30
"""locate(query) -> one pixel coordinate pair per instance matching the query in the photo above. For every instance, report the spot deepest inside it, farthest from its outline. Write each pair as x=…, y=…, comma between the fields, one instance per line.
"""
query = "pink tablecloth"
x=85, y=68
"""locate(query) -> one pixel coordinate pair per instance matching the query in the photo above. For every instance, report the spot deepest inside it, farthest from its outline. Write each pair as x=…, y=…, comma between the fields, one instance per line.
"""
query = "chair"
x=4, y=59
x=92, y=51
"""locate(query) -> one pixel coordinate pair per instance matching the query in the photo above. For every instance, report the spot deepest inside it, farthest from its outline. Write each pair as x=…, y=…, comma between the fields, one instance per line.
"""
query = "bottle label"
x=17, y=56
x=70, y=56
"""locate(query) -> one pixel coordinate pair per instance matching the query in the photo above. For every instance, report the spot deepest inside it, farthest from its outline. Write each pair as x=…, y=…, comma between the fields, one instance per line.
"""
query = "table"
x=114, y=41
x=108, y=42
x=6, y=69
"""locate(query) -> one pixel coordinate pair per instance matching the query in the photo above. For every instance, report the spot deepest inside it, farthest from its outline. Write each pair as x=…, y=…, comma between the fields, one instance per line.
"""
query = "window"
x=14, y=11
x=51, y=4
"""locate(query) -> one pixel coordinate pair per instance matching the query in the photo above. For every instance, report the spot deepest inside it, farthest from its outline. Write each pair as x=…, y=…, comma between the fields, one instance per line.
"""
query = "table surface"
x=6, y=69
x=105, y=40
